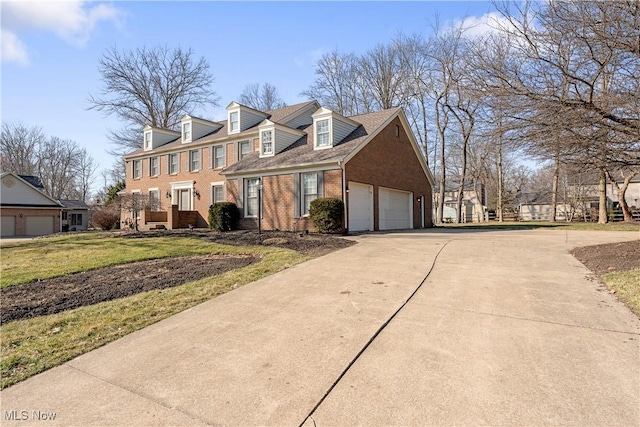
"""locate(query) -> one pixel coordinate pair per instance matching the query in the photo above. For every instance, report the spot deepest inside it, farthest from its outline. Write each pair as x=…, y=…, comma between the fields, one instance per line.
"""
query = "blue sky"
x=50, y=50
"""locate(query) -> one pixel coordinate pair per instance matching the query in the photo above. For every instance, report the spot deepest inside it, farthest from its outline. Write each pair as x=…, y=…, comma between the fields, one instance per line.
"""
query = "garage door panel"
x=395, y=209
x=360, y=207
x=8, y=226
x=39, y=225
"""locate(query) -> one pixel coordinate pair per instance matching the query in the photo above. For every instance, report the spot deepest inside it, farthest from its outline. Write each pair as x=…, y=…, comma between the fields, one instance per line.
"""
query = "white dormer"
x=194, y=128
x=241, y=117
x=156, y=137
x=329, y=128
x=274, y=138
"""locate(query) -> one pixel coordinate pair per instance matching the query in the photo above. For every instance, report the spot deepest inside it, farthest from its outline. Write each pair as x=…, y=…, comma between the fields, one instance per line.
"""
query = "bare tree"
x=150, y=87
x=65, y=169
x=627, y=174
x=261, y=97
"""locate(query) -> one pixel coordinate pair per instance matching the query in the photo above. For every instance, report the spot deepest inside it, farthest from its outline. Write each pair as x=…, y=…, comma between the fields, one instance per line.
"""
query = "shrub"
x=327, y=214
x=106, y=218
x=223, y=216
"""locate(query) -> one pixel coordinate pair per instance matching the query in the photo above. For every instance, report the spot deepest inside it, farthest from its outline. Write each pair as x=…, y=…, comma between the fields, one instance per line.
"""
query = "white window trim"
x=273, y=142
x=224, y=191
x=157, y=166
x=315, y=133
x=231, y=131
x=191, y=168
x=246, y=196
x=213, y=156
x=177, y=163
x=133, y=168
x=249, y=143
x=302, y=192
x=157, y=190
x=148, y=142
x=184, y=137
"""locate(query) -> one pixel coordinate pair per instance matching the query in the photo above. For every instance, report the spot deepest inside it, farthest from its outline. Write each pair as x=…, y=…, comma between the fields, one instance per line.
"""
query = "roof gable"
x=15, y=191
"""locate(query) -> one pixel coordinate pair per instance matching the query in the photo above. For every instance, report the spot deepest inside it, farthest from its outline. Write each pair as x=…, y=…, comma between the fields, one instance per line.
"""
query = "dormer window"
x=323, y=135
x=186, y=132
x=266, y=142
x=147, y=140
x=234, y=122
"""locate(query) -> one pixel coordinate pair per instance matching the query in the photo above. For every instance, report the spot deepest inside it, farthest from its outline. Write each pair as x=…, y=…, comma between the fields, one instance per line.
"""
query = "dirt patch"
x=51, y=296
x=603, y=259
x=104, y=284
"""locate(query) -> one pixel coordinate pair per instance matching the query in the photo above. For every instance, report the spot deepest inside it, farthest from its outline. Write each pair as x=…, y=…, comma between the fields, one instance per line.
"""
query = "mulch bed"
x=603, y=259
x=58, y=294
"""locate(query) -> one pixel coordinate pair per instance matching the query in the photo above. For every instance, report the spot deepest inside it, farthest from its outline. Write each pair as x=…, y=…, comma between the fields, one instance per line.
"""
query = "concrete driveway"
x=507, y=328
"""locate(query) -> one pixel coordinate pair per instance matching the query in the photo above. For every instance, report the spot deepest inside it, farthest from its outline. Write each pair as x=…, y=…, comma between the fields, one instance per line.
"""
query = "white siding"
x=22, y=194
x=341, y=130
x=284, y=139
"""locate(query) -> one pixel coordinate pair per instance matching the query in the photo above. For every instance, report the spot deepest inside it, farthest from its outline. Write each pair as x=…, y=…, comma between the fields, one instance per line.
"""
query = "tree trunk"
x=602, y=198
x=500, y=181
x=554, y=188
x=622, y=192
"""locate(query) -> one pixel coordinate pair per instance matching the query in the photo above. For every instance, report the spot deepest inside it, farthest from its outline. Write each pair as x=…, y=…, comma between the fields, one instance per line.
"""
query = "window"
x=154, y=200
x=253, y=186
x=217, y=193
x=267, y=142
x=154, y=166
x=218, y=156
x=76, y=219
x=309, y=190
x=245, y=148
x=147, y=140
x=194, y=160
x=174, y=163
x=64, y=216
x=137, y=168
x=322, y=133
x=234, y=122
x=186, y=132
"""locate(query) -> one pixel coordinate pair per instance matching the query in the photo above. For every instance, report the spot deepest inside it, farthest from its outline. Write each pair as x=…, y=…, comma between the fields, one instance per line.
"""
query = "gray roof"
x=73, y=204
x=33, y=180
x=274, y=115
x=302, y=153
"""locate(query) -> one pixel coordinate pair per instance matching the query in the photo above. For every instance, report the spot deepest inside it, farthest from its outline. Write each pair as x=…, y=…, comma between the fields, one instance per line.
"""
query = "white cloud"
x=72, y=21
x=476, y=26
x=13, y=50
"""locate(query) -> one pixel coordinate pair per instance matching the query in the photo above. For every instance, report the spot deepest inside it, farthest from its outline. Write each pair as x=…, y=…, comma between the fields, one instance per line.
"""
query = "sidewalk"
x=507, y=329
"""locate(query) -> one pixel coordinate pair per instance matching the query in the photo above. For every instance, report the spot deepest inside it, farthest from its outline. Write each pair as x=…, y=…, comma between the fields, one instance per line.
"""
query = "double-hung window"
x=218, y=156
x=309, y=191
x=217, y=193
x=186, y=132
x=252, y=195
x=137, y=168
x=267, y=142
x=194, y=160
x=174, y=163
x=154, y=166
x=245, y=148
x=147, y=140
x=234, y=122
x=154, y=200
x=322, y=133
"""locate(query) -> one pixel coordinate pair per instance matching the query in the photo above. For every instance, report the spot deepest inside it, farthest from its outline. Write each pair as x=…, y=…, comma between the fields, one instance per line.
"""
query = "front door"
x=183, y=200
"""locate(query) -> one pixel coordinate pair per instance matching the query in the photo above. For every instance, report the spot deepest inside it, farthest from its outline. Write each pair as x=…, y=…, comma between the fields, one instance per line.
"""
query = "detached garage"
x=25, y=210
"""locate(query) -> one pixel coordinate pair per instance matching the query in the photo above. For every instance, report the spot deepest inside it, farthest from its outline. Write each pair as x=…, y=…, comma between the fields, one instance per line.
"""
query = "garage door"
x=8, y=226
x=39, y=225
x=395, y=209
x=360, y=207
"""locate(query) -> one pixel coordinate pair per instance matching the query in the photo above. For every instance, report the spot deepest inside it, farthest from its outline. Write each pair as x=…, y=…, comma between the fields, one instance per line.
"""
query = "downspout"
x=344, y=195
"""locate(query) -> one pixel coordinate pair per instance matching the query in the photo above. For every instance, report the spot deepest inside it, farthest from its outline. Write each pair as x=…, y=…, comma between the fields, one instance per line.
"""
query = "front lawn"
x=33, y=345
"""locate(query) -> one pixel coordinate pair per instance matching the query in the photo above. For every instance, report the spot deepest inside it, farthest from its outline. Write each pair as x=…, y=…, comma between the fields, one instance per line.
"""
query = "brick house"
x=275, y=163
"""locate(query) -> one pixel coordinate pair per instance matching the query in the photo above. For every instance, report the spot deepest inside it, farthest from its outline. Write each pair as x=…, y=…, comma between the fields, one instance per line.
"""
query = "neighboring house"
x=273, y=164
x=537, y=206
x=75, y=215
x=25, y=209
x=474, y=207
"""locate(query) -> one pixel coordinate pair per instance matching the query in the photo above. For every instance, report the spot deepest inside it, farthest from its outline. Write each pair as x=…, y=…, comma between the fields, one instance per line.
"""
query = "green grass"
x=33, y=345
x=58, y=256
x=626, y=284
x=531, y=225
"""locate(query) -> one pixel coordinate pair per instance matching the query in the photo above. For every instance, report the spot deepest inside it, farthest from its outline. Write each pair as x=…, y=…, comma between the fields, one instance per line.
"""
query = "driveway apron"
x=507, y=328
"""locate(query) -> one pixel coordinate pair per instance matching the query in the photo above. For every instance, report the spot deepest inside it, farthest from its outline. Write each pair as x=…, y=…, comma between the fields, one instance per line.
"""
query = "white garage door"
x=39, y=225
x=8, y=226
x=360, y=207
x=395, y=209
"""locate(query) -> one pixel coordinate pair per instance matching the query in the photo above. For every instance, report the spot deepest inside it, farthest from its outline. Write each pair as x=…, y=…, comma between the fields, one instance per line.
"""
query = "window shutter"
x=212, y=156
x=320, y=184
x=240, y=201
x=296, y=195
